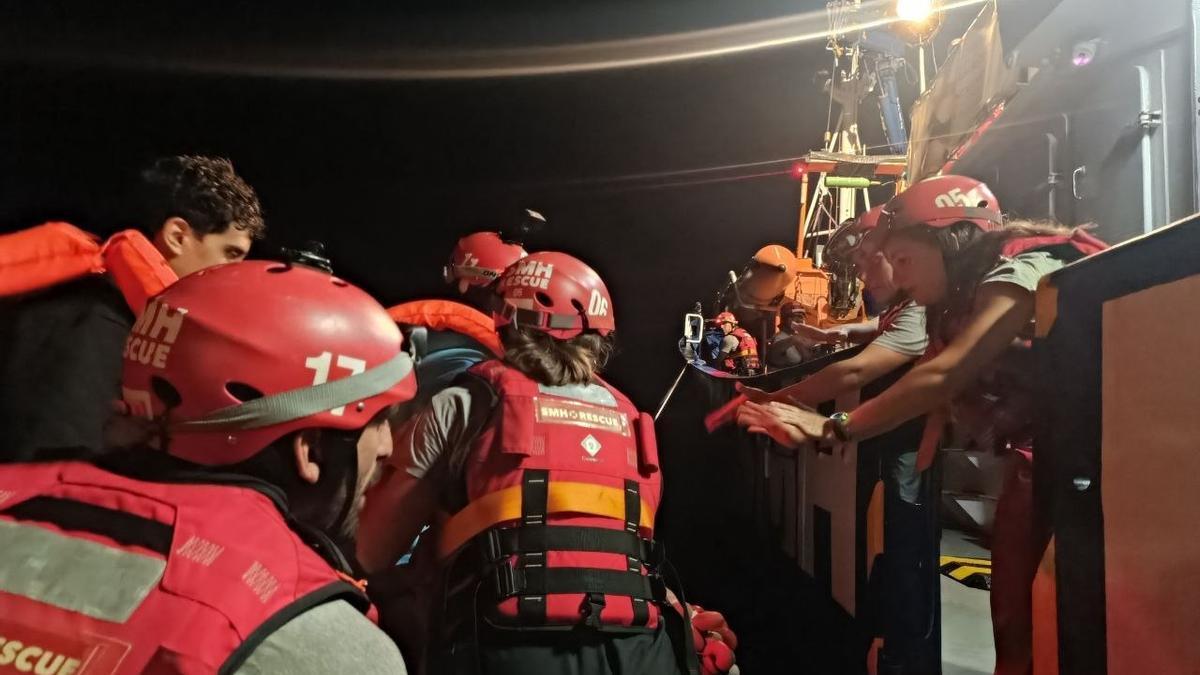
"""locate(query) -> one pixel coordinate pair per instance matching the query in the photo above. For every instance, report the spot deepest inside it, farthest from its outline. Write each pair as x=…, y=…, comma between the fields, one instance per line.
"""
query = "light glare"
x=914, y=10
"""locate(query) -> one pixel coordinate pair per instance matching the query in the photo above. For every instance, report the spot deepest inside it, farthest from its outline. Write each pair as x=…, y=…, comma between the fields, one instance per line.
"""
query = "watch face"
x=838, y=422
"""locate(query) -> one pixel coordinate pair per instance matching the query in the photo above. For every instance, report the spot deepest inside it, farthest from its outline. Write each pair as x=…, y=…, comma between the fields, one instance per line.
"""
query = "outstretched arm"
x=843, y=376
x=855, y=333
x=1002, y=310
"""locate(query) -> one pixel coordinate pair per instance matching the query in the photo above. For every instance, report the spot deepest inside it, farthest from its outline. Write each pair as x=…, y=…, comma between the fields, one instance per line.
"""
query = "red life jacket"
x=746, y=354
x=450, y=315
x=561, y=500
x=108, y=574
x=55, y=253
x=997, y=411
x=1083, y=243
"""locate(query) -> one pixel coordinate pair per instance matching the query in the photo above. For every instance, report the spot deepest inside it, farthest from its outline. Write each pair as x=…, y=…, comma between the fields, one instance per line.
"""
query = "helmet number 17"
x=321, y=364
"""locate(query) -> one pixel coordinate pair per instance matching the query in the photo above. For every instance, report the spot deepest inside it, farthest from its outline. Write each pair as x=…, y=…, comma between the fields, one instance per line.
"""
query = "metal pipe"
x=670, y=392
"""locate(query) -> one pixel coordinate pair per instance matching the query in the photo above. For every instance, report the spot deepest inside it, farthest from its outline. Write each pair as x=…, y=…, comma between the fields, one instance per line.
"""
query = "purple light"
x=1084, y=52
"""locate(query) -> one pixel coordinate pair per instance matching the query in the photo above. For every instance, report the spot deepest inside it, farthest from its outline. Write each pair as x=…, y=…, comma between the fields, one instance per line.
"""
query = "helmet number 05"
x=321, y=363
x=957, y=197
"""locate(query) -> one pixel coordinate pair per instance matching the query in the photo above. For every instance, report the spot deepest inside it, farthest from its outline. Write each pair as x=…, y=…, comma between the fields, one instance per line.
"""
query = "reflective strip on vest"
x=505, y=505
x=75, y=574
x=587, y=393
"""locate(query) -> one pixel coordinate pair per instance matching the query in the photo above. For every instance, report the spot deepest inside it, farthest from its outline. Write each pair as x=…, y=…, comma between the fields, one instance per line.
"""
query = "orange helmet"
x=778, y=257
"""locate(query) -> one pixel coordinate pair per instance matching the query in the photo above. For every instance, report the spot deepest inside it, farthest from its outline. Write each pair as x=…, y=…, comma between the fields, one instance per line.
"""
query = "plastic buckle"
x=489, y=547
x=507, y=580
x=593, y=604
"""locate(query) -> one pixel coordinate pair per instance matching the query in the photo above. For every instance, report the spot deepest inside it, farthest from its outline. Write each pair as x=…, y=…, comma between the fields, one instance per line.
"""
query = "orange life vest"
x=56, y=252
x=450, y=315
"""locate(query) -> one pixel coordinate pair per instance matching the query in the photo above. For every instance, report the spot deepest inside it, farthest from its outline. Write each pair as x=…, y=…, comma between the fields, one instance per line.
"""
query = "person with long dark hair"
x=549, y=480
x=952, y=251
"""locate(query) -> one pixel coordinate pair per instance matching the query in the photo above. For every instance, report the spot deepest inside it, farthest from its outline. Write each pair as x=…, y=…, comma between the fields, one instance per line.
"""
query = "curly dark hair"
x=204, y=191
x=556, y=362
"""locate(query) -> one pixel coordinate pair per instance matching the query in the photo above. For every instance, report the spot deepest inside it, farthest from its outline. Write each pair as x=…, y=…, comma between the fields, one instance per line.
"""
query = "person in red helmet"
x=61, y=288
x=449, y=336
x=951, y=250
x=445, y=338
x=897, y=336
x=478, y=260
x=739, y=349
x=212, y=548
x=907, y=571
x=549, y=478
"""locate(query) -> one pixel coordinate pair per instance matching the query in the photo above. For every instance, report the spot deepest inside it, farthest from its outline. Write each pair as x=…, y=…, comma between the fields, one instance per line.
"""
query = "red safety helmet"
x=941, y=201
x=725, y=317
x=851, y=235
x=238, y=355
x=869, y=236
x=479, y=259
x=868, y=220
x=555, y=293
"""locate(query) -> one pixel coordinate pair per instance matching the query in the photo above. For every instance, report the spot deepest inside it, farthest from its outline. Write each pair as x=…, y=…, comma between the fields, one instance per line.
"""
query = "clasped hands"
x=787, y=423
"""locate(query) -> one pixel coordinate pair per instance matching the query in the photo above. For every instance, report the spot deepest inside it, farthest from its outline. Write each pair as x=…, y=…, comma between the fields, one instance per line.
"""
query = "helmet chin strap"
x=339, y=481
x=349, y=485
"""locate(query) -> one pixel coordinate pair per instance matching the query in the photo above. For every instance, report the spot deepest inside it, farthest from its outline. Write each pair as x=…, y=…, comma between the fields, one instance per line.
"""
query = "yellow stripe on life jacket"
x=562, y=497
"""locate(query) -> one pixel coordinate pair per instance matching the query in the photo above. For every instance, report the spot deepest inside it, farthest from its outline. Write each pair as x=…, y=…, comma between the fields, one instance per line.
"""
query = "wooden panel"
x=1150, y=475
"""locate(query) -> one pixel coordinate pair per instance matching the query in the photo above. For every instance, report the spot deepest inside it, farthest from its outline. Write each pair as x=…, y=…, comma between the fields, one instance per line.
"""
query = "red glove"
x=723, y=415
x=713, y=639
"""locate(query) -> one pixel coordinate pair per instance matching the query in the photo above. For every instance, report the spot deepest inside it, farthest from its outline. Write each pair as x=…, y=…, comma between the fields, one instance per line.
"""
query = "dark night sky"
x=389, y=173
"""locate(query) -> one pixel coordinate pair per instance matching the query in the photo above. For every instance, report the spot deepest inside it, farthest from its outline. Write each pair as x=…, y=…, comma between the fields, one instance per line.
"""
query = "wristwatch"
x=837, y=426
